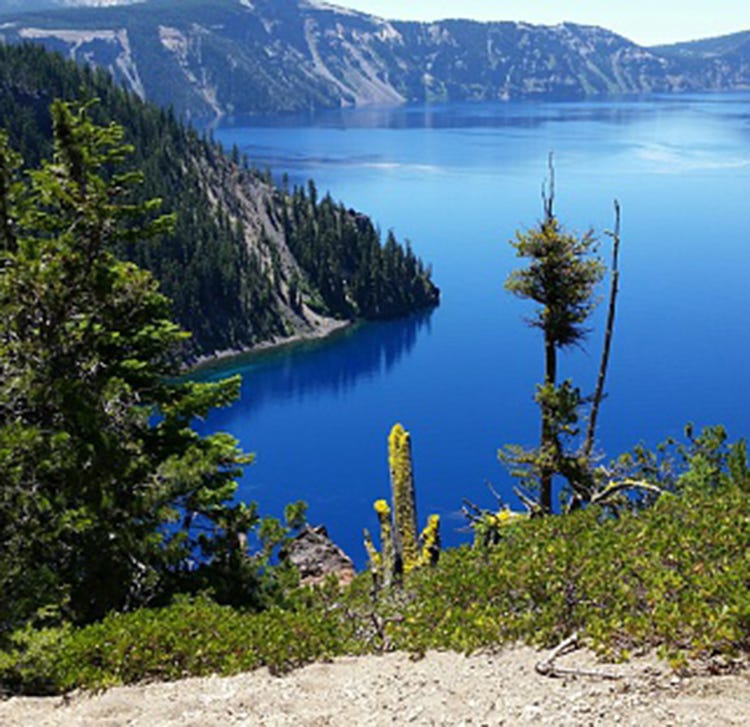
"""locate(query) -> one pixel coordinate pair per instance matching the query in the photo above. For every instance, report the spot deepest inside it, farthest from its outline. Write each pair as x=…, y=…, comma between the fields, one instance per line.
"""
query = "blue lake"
x=458, y=181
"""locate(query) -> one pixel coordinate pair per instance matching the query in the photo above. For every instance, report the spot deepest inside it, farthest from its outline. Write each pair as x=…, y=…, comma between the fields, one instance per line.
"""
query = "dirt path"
x=443, y=688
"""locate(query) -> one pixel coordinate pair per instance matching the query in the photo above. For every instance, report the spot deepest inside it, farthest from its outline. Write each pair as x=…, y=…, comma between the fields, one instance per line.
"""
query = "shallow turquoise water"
x=458, y=181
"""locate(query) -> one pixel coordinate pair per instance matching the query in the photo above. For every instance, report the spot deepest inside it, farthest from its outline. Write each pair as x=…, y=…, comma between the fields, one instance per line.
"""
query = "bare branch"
x=616, y=487
x=497, y=495
x=547, y=667
x=549, y=200
x=604, y=365
x=471, y=511
x=532, y=506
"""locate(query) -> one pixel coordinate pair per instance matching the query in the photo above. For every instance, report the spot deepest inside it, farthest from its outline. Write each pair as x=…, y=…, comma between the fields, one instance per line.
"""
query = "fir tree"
x=103, y=482
x=561, y=278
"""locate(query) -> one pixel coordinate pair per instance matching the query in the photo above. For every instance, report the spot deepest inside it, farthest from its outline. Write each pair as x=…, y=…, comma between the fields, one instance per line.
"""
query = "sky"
x=646, y=23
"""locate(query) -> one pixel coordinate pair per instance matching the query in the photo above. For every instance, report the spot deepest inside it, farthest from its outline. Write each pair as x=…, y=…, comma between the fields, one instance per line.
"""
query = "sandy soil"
x=441, y=689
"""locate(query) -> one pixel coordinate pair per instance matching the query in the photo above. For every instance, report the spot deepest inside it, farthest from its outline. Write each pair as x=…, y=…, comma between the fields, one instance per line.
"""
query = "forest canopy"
x=225, y=270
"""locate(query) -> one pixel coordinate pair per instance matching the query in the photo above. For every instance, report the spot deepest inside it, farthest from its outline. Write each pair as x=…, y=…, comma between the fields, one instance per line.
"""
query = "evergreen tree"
x=561, y=277
x=103, y=482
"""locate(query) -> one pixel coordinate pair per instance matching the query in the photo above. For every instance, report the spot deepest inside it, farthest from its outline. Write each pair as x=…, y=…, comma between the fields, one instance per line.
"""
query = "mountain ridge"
x=247, y=263
x=226, y=57
x=8, y=6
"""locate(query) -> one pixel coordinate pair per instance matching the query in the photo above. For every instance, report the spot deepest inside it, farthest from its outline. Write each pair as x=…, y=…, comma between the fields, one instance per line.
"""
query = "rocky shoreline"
x=320, y=329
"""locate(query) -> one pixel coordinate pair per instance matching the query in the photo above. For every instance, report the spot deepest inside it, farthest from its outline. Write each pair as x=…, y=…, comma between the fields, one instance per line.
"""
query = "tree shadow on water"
x=336, y=365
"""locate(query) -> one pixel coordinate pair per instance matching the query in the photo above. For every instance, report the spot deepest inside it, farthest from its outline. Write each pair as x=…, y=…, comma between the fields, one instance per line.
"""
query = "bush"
x=192, y=637
x=675, y=577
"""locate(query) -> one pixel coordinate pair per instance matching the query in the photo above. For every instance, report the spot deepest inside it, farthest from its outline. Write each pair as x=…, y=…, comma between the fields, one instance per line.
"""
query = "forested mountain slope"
x=724, y=60
x=213, y=57
x=17, y=6
x=247, y=262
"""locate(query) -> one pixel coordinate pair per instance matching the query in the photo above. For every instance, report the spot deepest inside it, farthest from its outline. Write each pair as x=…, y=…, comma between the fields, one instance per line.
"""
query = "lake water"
x=458, y=180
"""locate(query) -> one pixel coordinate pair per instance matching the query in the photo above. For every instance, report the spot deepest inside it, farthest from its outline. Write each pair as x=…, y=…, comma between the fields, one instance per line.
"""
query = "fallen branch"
x=616, y=487
x=547, y=666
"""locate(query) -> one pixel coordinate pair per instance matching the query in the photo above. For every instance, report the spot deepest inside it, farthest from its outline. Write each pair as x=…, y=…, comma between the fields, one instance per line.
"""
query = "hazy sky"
x=646, y=22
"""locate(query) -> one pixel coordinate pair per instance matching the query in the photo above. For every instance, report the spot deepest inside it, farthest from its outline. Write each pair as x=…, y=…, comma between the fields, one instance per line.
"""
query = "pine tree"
x=561, y=277
x=102, y=479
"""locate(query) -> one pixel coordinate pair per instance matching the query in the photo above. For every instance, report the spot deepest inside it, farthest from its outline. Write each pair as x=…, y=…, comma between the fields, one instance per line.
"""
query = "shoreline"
x=323, y=329
x=317, y=329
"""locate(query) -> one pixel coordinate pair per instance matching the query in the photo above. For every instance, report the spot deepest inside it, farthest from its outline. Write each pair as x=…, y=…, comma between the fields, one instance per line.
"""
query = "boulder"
x=316, y=557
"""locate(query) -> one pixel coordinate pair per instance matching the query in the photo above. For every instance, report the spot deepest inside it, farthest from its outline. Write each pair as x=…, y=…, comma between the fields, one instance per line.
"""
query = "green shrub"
x=192, y=637
x=675, y=577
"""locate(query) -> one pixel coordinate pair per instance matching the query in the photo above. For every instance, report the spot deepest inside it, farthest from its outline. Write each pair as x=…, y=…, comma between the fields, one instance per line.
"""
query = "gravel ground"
x=441, y=689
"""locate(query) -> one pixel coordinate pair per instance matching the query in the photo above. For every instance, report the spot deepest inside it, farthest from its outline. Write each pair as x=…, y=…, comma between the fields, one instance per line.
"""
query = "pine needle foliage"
x=561, y=276
x=106, y=491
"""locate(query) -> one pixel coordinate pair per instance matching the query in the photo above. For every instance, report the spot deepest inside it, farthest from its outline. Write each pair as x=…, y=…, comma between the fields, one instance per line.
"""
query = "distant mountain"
x=736, y=44
x=213, y=57
x=25, y=6
x=722, y=62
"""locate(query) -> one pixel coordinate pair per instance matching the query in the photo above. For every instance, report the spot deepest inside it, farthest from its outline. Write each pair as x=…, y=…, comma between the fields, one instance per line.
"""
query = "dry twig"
x=547, y=666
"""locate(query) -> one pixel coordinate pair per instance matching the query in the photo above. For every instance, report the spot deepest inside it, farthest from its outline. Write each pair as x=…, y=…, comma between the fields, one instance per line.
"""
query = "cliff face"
x=213, y=57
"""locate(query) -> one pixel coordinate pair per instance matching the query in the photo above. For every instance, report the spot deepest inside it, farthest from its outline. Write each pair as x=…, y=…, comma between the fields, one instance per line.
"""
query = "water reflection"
x=480, y=137
x=334, y=366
